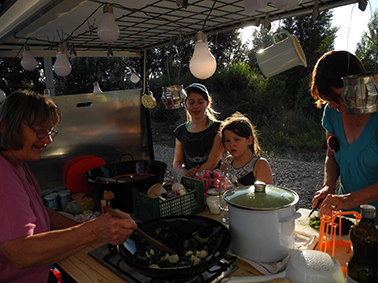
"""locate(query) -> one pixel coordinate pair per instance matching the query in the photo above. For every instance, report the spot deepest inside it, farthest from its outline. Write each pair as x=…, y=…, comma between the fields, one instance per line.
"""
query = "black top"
x=197, y=146
x=244, y=174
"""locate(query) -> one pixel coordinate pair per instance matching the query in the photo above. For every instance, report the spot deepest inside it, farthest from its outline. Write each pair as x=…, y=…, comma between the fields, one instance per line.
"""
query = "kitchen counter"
x=83, y=268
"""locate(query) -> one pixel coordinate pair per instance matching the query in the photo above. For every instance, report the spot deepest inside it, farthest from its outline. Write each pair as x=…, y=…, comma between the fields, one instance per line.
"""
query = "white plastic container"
x=212, y=201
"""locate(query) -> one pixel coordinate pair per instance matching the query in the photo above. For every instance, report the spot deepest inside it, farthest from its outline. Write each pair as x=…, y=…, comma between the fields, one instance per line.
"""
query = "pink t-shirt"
x=22, y=213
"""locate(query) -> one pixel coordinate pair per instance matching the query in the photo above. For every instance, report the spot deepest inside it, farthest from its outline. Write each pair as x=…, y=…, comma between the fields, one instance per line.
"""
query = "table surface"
x=83, y=268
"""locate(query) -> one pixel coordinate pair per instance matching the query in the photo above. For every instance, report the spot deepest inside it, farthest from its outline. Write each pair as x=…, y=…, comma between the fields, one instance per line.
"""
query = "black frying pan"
x=183, y=227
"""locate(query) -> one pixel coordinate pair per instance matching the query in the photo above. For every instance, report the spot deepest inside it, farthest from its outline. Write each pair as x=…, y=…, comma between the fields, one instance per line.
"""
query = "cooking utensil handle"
x=296, y=215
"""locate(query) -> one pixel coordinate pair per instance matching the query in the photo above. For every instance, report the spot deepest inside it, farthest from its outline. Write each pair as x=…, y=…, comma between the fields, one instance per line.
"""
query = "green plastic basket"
x=193, y=202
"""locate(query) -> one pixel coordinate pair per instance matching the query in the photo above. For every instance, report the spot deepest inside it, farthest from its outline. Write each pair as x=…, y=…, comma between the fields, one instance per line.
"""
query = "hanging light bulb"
x=203, y=64
x=108, y=30
x=28, y=61
x=134, y=78
x=96, y=88
x=46, y=92
x=62, y=66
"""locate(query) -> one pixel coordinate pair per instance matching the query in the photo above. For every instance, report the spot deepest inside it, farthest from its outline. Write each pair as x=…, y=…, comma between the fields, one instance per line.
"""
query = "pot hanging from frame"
x=360, y=93
x=148, y=100
x=173, y=96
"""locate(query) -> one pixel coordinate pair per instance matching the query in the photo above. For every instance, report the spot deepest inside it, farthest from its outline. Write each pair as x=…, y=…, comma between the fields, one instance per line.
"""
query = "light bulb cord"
x=169, y=77
x=144, y=72
x=132, y=70
x=212, y=7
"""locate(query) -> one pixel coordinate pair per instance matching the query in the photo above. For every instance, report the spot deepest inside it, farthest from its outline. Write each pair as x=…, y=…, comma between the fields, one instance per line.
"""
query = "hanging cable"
x=215, y=1
x=144, y=72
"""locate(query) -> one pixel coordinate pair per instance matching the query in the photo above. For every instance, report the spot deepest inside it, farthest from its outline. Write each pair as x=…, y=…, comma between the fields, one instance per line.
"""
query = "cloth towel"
x=302, y=242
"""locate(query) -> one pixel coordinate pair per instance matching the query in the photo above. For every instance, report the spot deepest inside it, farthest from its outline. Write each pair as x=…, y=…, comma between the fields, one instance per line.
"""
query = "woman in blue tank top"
x=352, y=156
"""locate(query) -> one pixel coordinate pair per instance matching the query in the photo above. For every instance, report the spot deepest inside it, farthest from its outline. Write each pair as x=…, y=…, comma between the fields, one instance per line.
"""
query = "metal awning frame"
x=144, y=24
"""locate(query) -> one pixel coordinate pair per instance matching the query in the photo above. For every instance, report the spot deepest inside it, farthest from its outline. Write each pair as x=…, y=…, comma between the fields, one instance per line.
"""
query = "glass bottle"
x=227, y=182
x=363, y=265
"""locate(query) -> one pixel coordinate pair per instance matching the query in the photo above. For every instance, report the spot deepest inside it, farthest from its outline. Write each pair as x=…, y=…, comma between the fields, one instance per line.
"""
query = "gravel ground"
x=291, y=173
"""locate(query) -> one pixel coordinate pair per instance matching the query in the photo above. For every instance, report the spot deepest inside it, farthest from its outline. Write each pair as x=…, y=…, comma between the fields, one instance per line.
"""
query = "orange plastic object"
x=332, y=244
x=76, y=181
x=71, y=162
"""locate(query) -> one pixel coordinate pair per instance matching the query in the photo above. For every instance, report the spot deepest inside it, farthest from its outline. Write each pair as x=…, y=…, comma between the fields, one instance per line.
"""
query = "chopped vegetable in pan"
x=191, y=251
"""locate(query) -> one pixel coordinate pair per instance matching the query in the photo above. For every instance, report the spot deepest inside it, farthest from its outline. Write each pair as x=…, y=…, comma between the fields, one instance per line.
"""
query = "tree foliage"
x=108, y=72
x=367, y=49
x=15, y=77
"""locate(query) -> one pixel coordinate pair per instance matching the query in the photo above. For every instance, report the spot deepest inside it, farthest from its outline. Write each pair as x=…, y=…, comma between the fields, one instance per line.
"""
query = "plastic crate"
x=193, y=202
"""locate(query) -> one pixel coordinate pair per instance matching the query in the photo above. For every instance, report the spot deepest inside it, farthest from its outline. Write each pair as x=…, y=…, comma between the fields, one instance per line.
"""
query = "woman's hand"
x=321, y=195
x=335, y=202
x=192, y=172
x=113, y=230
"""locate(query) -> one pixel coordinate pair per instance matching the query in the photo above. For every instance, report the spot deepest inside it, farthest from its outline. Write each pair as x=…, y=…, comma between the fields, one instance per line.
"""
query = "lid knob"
x=259, y=187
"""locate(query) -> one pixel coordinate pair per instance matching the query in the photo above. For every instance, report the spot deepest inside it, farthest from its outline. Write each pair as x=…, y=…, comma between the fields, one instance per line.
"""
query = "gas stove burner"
x=112, y=260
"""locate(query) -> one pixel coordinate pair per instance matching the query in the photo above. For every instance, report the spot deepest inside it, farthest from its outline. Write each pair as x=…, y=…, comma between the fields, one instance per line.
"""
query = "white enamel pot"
x=261, y=221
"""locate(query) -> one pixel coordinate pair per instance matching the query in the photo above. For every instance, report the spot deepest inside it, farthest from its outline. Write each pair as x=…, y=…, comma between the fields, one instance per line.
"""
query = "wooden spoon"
x=154, y=242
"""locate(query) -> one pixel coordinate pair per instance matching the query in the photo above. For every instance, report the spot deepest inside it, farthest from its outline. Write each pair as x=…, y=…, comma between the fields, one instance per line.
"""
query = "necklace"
x=245, y=163
x=253, y=155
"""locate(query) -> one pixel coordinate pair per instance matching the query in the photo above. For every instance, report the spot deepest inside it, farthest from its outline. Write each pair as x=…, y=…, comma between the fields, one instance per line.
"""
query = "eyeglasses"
x=43, y=132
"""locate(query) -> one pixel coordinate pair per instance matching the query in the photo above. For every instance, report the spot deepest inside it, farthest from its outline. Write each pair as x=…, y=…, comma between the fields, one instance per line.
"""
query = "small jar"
x=212, y=201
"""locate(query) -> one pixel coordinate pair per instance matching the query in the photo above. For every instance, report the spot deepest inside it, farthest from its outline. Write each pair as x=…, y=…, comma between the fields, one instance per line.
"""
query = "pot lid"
x=261, y=197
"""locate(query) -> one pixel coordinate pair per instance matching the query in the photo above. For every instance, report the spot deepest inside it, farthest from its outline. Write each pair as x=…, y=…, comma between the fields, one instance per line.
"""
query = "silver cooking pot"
x=261, y=219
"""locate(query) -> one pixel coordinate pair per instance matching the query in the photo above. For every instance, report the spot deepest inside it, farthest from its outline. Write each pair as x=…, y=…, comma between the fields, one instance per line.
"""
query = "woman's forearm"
x=46, y=248
x=331, y=172
x=58, y=221
x=365, y=195
x=54, y=246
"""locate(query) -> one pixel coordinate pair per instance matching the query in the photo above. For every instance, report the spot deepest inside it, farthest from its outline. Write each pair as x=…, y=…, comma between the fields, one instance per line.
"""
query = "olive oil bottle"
x=363, y=265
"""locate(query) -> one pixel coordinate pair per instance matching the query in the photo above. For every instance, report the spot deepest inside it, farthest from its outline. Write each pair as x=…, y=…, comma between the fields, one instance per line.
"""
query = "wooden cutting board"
x=302, y=223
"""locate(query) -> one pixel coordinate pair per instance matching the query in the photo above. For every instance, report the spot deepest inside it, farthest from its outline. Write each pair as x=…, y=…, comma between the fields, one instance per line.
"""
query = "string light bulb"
x=28, y=61
x=134, y=78
x=202, y=64
x=96, y=88
x=46, y=93
x=62, y=66
x=108, y=30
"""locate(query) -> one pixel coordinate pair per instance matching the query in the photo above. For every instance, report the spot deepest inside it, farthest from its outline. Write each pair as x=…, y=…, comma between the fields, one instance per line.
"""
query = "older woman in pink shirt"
x=32, y=237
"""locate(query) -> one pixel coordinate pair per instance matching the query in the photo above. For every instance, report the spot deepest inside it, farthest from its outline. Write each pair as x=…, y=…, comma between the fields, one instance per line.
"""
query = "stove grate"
x=109, y=257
